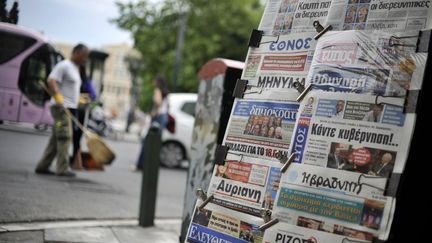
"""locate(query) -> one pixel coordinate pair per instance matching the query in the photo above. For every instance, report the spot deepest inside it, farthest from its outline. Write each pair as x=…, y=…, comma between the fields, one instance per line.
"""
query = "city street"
x=111, y=194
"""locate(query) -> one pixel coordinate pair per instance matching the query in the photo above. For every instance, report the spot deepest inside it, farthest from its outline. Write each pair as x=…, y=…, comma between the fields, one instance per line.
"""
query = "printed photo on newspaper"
x=309, y=232
x=332, y=212
x=261, y=128
x=372, y=62
x=245, y=184
x=293, y=16
x=279, y=61
x=218, y=224
x=388, y=15
x=352, y=132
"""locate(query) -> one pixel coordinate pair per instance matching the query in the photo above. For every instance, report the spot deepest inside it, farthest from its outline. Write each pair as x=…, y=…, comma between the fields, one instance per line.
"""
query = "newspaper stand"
x=215, y=98
x=407, y=222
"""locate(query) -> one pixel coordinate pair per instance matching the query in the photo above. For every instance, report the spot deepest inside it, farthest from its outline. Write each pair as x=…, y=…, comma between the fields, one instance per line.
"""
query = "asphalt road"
x=111, y=194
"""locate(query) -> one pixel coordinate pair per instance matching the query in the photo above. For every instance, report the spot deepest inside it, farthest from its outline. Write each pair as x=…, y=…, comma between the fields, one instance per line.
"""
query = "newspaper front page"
x=353, y=132
x=261, y=128
x=294, y=16
x=279, y=62
x=333, y=180
x=245, y=184
x=321, y=210
x=309, y=233
x=218, y=224
x=372, y=62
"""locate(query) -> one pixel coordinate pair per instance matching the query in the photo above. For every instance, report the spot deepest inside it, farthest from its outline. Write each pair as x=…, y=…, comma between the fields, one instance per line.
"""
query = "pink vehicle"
x=26, y=58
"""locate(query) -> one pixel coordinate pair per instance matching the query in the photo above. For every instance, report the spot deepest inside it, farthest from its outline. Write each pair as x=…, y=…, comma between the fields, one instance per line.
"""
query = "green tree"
x=214, y=29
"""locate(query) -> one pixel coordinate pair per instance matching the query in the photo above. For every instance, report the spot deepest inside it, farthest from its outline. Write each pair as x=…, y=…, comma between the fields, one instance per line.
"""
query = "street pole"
x=179, y=48
x=150, y=174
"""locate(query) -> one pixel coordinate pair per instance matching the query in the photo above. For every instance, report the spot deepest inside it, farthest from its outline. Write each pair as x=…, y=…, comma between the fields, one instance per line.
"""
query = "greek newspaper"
x=371, y=62
x=294, y=16
x=332, y=180
x=388, y=15
x=352, y=132
x=245, y=184
x=321, y=210
x=218, y=224
x=309, y=233
x=261, y=128
x=278, y=62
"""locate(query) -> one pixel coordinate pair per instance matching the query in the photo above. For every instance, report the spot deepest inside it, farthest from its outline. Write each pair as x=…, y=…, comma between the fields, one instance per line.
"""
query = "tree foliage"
x=215, y=28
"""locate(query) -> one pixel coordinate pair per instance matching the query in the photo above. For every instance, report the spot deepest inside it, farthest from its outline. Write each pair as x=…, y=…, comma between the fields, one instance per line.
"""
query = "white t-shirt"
x=163, y=108
x=68, y=78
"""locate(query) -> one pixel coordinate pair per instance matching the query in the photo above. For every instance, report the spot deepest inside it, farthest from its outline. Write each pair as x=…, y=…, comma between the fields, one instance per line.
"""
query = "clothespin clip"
x=410, y=100
x=302, y=90
x=256, y=37
x=203, y=196
x=237, y=154
x=268, y=222
x=320, y=29
x=259, y=91
x=286, y=161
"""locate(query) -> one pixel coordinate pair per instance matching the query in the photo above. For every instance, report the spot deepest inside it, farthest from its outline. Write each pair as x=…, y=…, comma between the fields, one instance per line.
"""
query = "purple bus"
x=26, y=58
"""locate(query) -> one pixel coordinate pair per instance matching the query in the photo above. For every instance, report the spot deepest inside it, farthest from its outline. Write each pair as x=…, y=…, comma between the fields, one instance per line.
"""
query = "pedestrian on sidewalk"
x=159, y=113
x=64, y=83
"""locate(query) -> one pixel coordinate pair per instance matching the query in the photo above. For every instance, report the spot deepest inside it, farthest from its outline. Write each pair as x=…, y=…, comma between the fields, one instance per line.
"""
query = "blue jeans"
x=162, y=120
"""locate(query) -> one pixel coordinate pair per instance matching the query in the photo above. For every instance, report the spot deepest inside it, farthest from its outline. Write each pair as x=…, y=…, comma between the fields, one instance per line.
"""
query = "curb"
x=15, y=227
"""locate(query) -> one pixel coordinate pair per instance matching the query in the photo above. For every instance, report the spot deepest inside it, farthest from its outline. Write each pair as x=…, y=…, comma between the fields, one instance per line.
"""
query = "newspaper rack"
x=392, y=185
x=410, y=101
x=240, y=88
x=423, y=42
x=220, y=154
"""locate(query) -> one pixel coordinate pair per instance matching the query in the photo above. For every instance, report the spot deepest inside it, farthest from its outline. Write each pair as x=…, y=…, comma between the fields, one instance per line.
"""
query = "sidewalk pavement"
x=91, y=231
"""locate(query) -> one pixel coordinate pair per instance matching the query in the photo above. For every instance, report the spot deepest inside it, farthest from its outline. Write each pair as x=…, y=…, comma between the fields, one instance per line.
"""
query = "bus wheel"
x=41, y=127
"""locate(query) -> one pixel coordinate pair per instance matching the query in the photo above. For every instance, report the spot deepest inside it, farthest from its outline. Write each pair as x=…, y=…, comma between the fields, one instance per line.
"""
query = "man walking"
x=64, y=83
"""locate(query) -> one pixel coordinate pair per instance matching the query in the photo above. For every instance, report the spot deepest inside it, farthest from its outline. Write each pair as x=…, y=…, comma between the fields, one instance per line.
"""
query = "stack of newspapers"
x=320, y=135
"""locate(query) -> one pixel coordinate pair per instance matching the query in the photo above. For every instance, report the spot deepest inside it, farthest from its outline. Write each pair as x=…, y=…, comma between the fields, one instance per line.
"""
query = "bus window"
x=35, y=68
x=11, y=45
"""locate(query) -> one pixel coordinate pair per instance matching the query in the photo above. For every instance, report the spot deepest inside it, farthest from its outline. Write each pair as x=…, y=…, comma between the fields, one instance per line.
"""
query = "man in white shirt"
x=339, y=109
x=375, y=114
x=64, y=83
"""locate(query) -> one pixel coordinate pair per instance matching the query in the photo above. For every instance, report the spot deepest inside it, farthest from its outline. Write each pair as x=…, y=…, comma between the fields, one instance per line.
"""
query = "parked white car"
x=176, y=146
